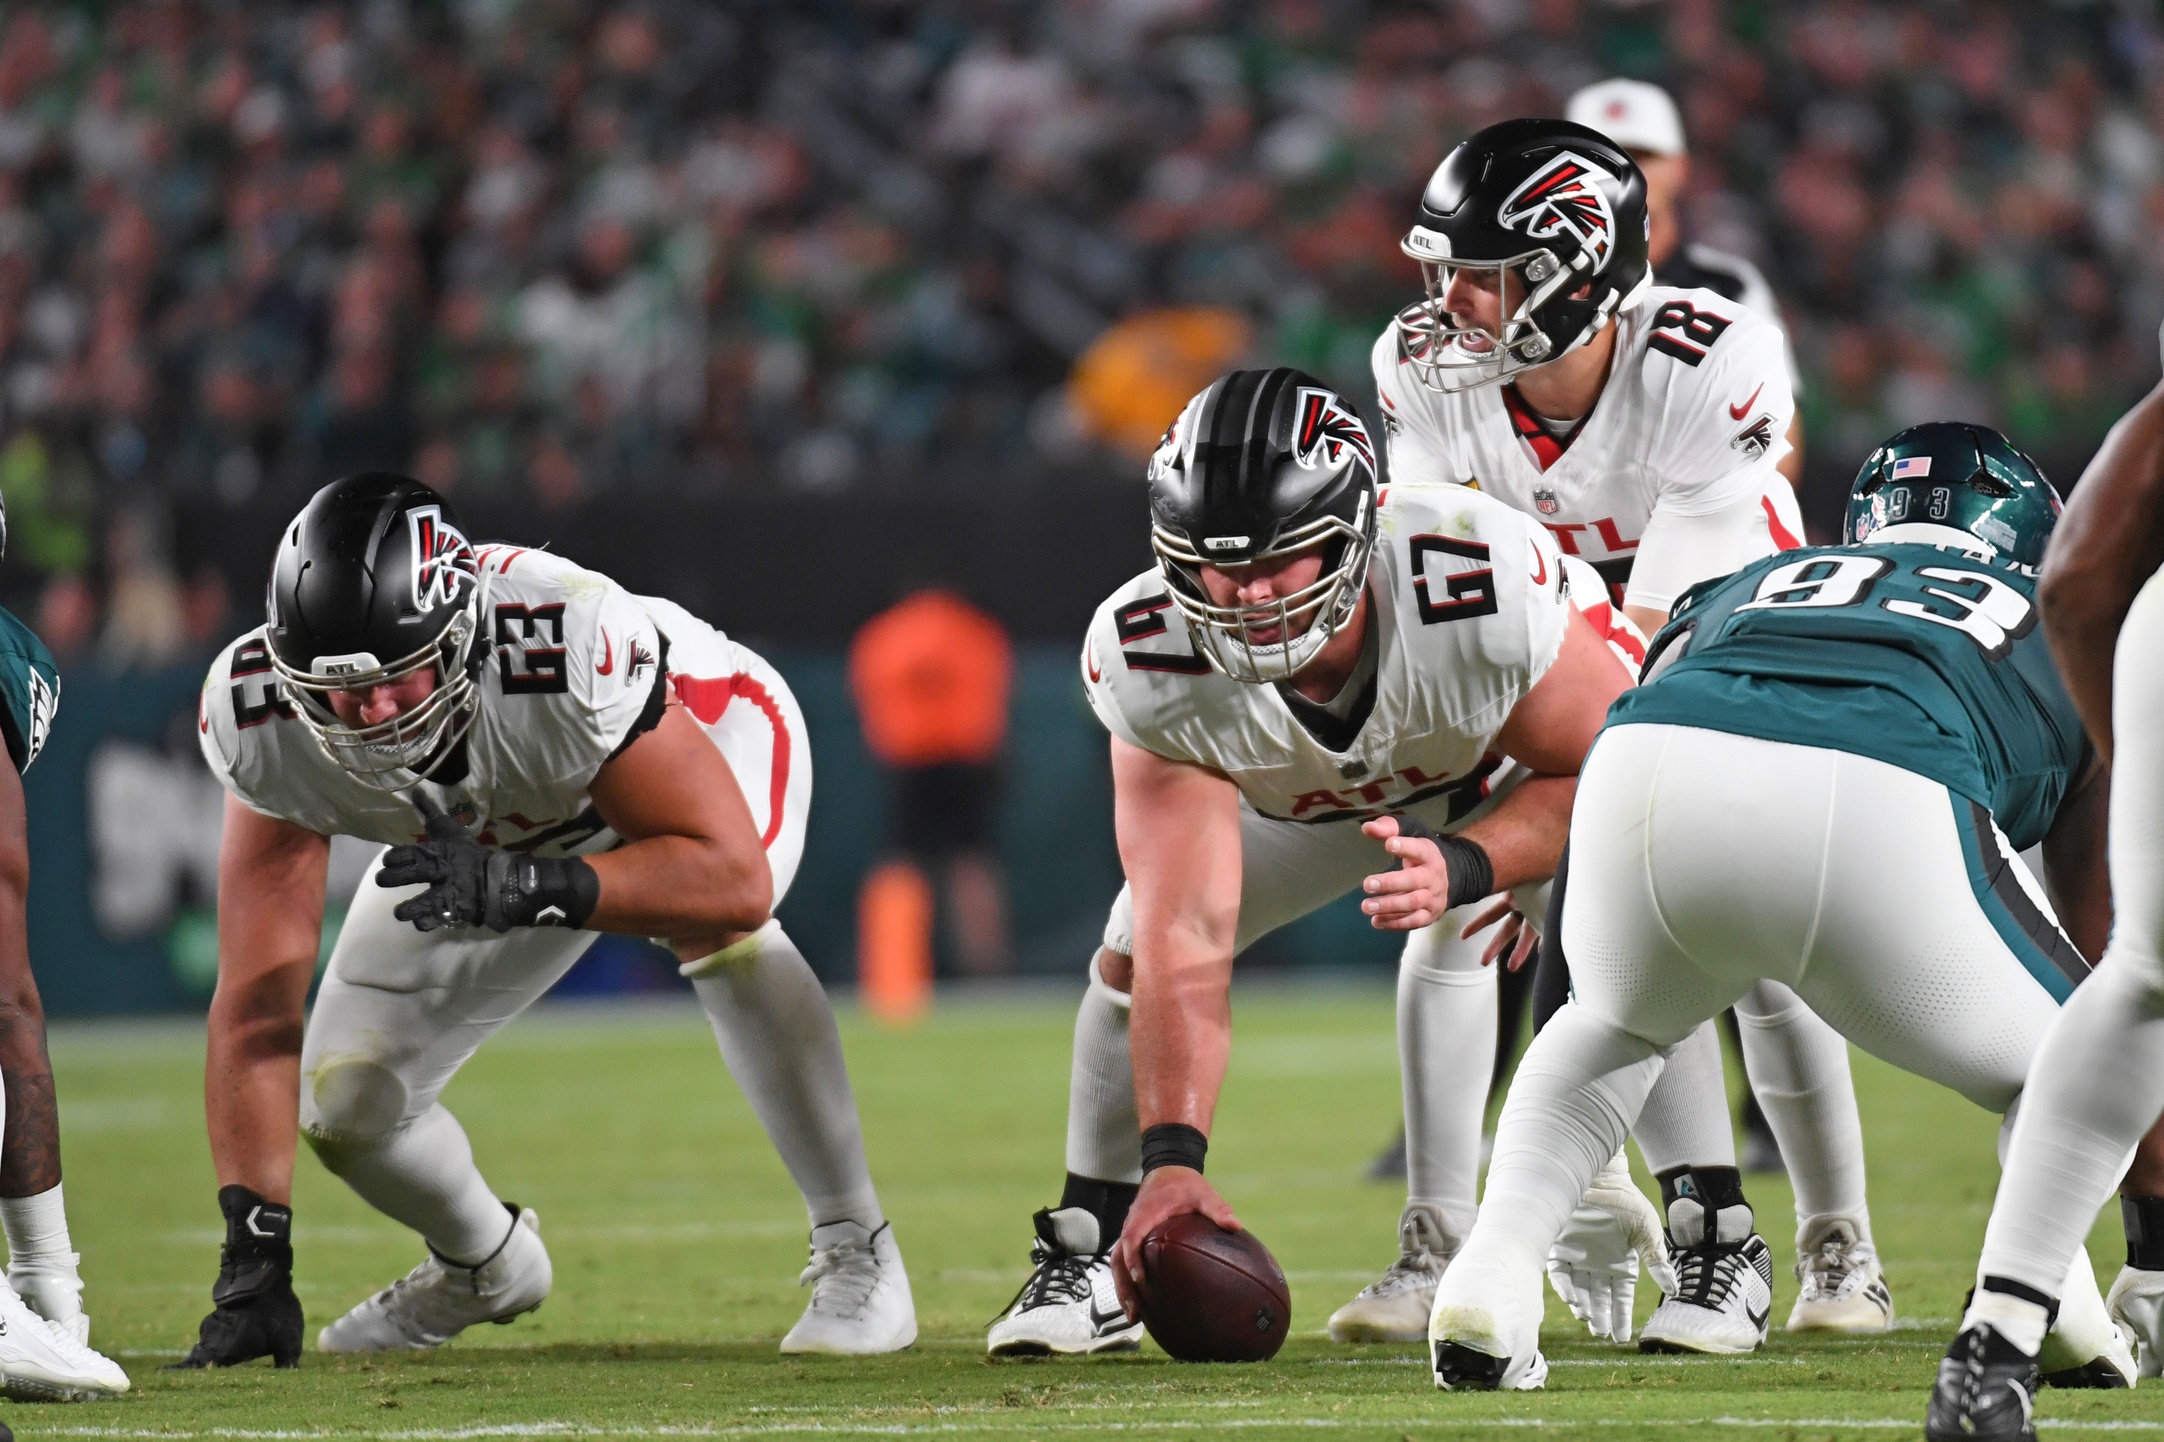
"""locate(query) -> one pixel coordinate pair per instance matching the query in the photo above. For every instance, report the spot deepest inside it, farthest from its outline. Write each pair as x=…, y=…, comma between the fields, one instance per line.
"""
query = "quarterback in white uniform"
x=1315, y=680
x=1642, y=427
x=548, y=756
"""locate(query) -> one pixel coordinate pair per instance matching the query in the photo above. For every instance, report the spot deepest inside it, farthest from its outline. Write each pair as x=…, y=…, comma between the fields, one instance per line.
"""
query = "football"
x=1209, y=1295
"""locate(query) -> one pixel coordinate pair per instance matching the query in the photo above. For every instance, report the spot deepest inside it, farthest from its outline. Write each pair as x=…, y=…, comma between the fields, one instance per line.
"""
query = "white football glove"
x=2136, y=1304
x=1593, y=1266
x=55, y=1294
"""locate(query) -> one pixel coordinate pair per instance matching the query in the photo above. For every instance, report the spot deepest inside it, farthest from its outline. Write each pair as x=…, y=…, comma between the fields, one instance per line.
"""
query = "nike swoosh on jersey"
x=1089, y=654
x=1736, y=413
x=608, y=655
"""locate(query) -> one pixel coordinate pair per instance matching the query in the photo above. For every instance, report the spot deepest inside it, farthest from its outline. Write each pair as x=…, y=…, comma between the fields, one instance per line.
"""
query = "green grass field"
x=677, y=1240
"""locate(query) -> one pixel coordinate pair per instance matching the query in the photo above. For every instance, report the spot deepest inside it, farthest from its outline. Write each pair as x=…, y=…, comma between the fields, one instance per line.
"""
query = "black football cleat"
x=1986, y=1391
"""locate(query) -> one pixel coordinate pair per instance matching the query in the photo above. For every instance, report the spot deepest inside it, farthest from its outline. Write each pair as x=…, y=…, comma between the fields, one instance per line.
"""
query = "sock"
x=1104, y=1137
x=422, y=1174
x=2018, y=1313
x=1446, y=1058
x=1108, y=1202
x=2143, y=1220
x=1798, y=1068
x=1577, y=1091
x=1685, y=1120
x=37, y=1231
x=1705, y=1204
x=777, y=1035
x=2096, y=1085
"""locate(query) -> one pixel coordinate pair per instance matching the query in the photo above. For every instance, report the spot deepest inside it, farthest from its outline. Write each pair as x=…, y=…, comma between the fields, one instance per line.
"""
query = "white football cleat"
x=1724, y=1284
x=1069, y=1306
x=54, y=1291
x=438, y=1299
x=1843, y=1287
x=1397, y=1306
x=860, y=1302
x=2136, y=1304
x=44, y=1362
x=2085, y=1347
x=1484, y=1335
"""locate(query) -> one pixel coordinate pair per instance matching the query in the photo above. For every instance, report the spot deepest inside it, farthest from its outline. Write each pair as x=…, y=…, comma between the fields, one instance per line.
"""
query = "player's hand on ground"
x=1415, y=894
x=1594, y=1265
x=2136, y=1304
x=1166, y=1193
x=1514, y=938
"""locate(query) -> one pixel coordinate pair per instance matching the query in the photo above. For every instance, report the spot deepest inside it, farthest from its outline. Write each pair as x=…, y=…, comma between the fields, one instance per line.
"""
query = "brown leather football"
x=1209, y=1295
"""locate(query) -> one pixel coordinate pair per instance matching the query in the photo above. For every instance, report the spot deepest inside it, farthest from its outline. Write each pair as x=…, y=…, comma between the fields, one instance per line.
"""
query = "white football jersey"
x=578, y=667
x=1470, y=605
x=1670, y=480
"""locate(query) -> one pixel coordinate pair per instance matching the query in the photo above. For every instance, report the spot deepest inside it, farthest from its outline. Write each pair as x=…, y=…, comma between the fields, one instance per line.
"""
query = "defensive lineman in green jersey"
x=44, y=1351
x=1820, y=784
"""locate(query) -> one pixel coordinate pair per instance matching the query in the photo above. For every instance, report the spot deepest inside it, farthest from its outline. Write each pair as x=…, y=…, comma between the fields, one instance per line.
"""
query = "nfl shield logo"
x=1545, y=499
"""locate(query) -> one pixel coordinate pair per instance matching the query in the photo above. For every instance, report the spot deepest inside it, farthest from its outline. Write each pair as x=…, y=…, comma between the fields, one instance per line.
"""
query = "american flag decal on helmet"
x=440, y=556
x=1326, y=423
x=1561, y=197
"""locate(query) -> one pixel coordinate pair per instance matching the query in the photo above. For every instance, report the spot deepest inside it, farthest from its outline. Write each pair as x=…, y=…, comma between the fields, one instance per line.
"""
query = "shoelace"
x=1056, y=1277
x=79, y=1355
x=1409, y=1270
x=841, y=1278
x=1706, y=1274
x=1827, y=1267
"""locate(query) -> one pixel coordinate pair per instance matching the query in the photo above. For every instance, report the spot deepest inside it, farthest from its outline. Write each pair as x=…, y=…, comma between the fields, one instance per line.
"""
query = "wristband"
x=547, y=891
x=2143, y=1220
x=1173, y=1144
x=1472, y=874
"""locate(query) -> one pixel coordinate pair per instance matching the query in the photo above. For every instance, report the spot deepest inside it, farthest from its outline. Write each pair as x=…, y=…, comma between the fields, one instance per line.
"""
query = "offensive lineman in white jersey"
x=1313, y=680
x=1642, y=427
x=549, y=757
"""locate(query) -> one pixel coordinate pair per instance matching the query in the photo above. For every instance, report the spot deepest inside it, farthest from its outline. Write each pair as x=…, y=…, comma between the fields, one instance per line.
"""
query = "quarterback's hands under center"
x=1514, y=938
x=1412, y=896
x=1166, y=1193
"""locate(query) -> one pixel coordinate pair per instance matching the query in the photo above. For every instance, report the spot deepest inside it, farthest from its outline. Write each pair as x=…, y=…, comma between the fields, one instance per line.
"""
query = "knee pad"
x=350, y=1101
x=739, y=953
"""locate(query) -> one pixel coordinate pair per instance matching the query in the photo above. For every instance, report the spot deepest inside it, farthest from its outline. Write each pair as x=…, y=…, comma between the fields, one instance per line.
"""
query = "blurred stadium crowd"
x=543, y=250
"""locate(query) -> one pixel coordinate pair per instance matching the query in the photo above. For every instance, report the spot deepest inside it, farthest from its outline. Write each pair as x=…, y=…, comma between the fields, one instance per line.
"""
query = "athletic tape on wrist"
x=1472, y=874
x=1173, y=1144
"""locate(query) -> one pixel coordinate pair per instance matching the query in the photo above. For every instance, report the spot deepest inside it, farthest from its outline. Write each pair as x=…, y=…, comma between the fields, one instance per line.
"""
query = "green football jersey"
x=1928, y=659
x=29, y=691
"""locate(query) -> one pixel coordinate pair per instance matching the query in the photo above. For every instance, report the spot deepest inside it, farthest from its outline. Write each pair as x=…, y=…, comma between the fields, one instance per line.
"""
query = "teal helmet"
x=1953, y=476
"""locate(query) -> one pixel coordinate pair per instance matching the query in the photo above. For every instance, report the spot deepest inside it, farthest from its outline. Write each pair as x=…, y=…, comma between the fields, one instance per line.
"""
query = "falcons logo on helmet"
x=1562, y=198
x=440, y=557
x=1324, y=423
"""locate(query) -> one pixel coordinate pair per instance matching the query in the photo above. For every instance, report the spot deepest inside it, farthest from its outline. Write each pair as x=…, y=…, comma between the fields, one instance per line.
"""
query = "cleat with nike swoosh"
x=1724, y=1284
x=1069, y=1306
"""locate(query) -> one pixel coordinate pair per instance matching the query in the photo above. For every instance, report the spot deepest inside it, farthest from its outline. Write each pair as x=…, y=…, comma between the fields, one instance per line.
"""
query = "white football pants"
x=399, y=1011
x=2098, y=1083
x=1704, y=863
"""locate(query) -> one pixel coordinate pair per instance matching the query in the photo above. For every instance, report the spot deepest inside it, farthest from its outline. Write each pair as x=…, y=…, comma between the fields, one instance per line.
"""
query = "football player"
x=44, y=1335
x=1314, y=680
x=1641, y=426
x=549, y=757
x=2098, y=1081
x=1823, y=782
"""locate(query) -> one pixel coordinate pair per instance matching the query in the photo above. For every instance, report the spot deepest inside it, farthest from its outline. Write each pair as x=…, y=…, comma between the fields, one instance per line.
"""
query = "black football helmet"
x=1262, y=464
x=1556, y=206
x=374, y=581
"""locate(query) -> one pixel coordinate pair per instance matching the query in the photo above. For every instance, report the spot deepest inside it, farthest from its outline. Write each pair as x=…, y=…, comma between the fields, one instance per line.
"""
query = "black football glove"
x=474, y=885
x=254, y=1312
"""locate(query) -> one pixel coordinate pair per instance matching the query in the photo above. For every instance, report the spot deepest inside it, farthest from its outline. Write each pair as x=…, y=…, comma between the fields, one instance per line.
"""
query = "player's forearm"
x=1525, y=833
x=2110, y=541
x=252, y=1077
x=1181, y=1029
x=679, y=886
